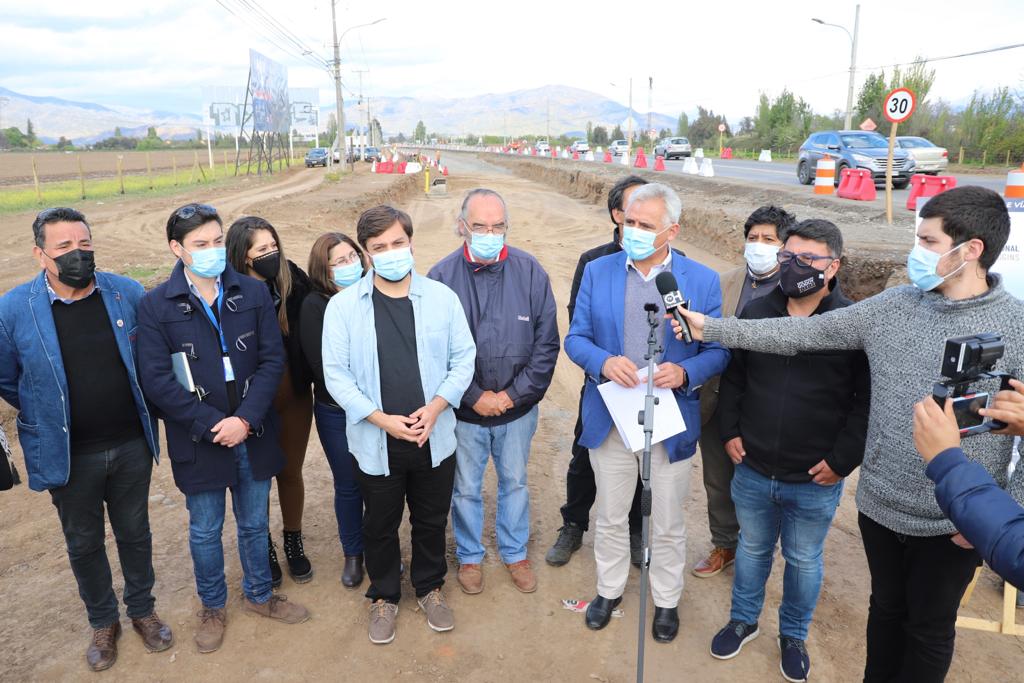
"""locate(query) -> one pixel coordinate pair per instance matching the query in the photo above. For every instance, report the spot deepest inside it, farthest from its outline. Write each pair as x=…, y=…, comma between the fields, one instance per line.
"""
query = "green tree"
x=400, y=138
x=617, y=133
x=683, y=124
x=15, y=138
x=420, y=134
x=600, y=135
x=704, y=130
x=869, y=100
x=30, y=133
x=117, y=132
x=63, y=143
x=590, y=131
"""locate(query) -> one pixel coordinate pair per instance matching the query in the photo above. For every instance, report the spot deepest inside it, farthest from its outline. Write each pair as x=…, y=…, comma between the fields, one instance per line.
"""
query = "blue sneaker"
x=728, y=642
x=794, y=662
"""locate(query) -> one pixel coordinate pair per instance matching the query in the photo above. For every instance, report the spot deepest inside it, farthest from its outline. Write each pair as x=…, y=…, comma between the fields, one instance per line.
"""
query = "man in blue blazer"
x=608, y=339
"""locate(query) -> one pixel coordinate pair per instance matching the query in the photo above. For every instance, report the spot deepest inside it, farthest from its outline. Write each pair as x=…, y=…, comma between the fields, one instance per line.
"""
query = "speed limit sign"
x=899, y=105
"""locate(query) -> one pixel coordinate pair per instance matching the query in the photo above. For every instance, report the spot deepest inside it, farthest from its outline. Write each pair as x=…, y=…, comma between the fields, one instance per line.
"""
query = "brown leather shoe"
x=278, y=608
x=717, y=560
x=102, y=652
x=156, y=635
x=523, y=577
x=471, y=579
x=210, y=633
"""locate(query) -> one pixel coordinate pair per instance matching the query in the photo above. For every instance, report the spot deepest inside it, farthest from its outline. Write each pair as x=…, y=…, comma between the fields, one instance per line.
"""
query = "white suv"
x=618, y=147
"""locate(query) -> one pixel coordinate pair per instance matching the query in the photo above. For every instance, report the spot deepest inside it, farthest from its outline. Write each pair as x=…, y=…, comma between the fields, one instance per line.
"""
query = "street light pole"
x=853, y=60
x=339, y=102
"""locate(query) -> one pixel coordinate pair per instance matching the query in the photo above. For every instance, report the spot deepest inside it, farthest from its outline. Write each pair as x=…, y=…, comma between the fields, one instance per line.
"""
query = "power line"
x=282, y=29
x=266, y=29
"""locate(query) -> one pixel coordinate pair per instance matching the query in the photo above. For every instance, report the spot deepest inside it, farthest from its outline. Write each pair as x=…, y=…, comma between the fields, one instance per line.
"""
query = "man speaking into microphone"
x=608, y=339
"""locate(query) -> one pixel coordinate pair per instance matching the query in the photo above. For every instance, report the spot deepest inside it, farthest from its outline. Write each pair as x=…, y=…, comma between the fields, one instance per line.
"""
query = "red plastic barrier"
x=857, y=184
x=641, y=160
x=400, y=167
x=727, y=153
x=659, y=163
x=554, y=154
x=607, y=156
x=389, y=167
x=575, y=156
x=928, y=186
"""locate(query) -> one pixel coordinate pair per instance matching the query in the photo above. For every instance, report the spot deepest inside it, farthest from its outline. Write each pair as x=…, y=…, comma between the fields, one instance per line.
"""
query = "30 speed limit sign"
x=899, y=105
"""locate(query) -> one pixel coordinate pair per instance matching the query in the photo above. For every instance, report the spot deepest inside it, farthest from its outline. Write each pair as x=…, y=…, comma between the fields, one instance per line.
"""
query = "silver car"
x=618, y=147
x=929, y=157
x=673, y=147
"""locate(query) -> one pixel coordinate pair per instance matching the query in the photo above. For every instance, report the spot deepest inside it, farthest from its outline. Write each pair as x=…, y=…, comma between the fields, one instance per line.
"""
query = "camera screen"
x=966, y=408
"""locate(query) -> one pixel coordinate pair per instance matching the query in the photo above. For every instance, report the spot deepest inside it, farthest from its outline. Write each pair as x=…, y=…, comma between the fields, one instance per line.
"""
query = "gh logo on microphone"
x=673, y=299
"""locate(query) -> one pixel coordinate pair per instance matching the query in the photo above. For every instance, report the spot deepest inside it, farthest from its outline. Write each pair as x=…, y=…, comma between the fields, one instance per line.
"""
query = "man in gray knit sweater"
x=920, y=565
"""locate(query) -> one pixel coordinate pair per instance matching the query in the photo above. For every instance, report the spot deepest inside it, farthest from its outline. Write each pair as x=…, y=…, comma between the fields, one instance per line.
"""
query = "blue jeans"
x=801, y=513
x=348, y=501
x=250, y=501
x=509, y=445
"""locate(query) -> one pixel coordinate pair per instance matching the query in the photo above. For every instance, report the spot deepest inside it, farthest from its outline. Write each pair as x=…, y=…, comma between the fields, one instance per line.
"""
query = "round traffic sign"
x=899, y=105
x=721, y=128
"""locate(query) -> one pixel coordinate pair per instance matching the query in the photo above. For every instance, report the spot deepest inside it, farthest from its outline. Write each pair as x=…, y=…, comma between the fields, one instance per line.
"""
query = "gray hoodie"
x=903, y=331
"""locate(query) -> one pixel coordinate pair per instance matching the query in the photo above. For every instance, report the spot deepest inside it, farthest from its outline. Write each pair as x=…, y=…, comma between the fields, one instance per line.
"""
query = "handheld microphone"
x=669, y=290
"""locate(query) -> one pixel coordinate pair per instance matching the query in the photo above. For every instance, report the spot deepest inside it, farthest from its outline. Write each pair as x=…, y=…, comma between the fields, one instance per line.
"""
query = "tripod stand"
x=646, y=418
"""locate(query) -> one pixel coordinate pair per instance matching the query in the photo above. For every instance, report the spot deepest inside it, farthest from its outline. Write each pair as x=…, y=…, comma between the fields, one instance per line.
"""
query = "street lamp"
x=339, y=102
x=853, y=60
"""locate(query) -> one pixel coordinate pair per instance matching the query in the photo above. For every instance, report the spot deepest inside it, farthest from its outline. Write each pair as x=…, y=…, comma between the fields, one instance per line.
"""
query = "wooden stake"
x=35, y=179
x=888, y=174
x=960, y=160
x=984, y=156
x=174, y=168
x=149, y=171
x=81, y=175
x=225, y=164
x=120, y=172
x=1007, y=158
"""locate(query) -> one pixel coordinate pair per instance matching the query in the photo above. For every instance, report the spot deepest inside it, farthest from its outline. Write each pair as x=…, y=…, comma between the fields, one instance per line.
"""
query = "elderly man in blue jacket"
x=68, y=365
x=608, y=339
x=508, y=301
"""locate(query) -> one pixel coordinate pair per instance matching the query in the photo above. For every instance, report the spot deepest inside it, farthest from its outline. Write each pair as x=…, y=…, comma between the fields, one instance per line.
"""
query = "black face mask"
x=76, y=268
x=268, y=266
x=797, y=280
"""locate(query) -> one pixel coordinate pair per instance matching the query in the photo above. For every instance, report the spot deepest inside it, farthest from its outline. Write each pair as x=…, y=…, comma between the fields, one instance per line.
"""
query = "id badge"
x=229, y=373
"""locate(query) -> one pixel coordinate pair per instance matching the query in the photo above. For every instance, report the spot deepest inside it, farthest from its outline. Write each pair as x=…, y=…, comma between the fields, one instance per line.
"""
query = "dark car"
x=371, y=154
x=317, y=157
x=854, y=149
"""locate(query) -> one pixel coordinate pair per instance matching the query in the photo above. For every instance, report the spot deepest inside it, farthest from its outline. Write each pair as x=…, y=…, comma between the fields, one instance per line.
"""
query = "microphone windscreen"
x=666, y=283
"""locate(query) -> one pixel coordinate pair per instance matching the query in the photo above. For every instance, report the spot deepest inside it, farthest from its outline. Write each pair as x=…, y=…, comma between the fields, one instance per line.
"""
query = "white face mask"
x=761, y=258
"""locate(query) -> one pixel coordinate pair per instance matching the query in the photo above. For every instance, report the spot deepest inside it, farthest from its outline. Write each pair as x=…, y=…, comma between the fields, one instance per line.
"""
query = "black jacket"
x=301, y=373
x=794, y=411
x=311, y=333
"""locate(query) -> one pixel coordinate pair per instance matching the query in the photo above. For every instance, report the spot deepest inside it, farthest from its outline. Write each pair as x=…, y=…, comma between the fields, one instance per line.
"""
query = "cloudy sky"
x=159, y=53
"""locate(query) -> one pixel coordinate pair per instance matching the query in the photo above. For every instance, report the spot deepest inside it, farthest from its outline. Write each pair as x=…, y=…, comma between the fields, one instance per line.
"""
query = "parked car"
x=673, y=147
x=581, y=146
x=618, y=147
x=543, y=147
x=316, y=157
x=371, y=154
x=854, y=149
x=928, y=157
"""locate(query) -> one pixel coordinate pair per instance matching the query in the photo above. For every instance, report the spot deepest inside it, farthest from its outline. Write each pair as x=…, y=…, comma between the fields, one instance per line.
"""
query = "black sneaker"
x=794, y=663
x=299, y=567
x=728, y=642
x=275, y=566
x=570, y=538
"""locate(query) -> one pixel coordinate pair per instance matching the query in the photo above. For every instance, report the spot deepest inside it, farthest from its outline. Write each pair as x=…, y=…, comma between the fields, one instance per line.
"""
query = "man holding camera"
x=920, y=564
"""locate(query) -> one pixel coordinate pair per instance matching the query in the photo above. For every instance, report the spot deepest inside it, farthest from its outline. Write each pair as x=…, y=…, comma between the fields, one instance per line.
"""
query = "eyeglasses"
x=481, y=229
x=353, y=257
x=804, y=259
x=189, y=210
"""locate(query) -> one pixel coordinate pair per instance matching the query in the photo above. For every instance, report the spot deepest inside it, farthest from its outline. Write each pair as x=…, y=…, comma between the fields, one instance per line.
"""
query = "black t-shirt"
x=401, y=389
x=103, y=410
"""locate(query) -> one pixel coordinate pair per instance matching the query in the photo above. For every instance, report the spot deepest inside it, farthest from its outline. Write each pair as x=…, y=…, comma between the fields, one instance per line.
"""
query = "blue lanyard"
x=213, y=318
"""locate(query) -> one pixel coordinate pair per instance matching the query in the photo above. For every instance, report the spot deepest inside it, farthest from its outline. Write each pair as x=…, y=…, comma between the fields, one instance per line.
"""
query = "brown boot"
x=156, y=635
x=210, y=633
x=523, y=577
x=471, y=579
x=102, y=652
x=278, y=607
x=712, y=565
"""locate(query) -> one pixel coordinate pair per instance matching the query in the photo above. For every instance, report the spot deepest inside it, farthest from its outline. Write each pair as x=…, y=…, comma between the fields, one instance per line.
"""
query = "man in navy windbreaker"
x=510, y=308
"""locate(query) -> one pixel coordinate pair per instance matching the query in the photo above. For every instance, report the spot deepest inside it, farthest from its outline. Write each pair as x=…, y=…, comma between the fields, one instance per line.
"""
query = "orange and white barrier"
x=1010, y=264
x=825, y=176
x=1015, y=184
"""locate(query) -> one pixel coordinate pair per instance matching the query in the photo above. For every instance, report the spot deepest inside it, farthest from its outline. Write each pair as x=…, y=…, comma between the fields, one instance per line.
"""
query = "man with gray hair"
x=608, y=339
x=510, y=308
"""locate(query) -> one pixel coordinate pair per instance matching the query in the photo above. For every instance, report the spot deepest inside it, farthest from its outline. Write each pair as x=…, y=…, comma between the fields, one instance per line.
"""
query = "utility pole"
x=547, y=130
x=650, y=102
x=853, y=68
x=337, y=86
x=629, y=124
x=362, y=139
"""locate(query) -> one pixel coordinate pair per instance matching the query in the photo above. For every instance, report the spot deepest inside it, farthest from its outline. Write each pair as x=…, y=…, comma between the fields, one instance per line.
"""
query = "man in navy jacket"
x=510, y=308
x=608, y=339
x=67, y=364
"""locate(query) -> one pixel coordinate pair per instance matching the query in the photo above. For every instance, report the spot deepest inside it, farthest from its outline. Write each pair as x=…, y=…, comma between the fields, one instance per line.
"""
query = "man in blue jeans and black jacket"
x=510, y=308
x=68, y=365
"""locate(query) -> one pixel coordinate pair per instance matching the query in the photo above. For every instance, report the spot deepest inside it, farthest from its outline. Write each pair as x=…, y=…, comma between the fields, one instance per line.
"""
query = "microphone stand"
x=646, y=418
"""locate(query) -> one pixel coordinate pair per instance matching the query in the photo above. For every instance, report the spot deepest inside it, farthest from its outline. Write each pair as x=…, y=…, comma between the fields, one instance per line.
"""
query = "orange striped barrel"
x=825, y=176
x=1015, y=184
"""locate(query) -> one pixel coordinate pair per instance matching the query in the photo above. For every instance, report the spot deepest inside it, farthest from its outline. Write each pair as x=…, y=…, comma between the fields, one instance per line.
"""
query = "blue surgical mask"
x=393, y=265
x=208, y=262
x=638, y=244
x=486, y=247
x=346, y=275
x=922, y=267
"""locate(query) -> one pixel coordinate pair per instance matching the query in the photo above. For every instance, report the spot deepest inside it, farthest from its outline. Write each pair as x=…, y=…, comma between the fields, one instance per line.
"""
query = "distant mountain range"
x=551, y=109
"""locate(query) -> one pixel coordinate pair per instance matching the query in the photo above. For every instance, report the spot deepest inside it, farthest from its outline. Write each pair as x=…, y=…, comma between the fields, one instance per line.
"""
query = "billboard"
x=222, y=109
x=268, y=87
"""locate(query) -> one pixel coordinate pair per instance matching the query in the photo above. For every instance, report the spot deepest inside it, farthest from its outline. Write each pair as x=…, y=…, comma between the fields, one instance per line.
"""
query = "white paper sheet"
x=625, y=405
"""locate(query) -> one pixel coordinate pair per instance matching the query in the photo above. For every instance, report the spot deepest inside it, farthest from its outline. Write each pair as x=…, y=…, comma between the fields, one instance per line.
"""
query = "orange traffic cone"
x=641, y=160
x=575, y=156
x=444, y=171
x=659, y=163
x=825, y=176
x=607, y=156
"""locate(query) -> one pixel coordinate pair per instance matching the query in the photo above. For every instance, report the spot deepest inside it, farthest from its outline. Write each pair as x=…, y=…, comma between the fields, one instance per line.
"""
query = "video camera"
x=966, y=360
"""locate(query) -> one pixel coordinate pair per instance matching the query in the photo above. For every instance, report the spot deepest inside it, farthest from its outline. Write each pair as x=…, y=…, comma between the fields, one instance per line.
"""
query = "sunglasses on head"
x=189, y=210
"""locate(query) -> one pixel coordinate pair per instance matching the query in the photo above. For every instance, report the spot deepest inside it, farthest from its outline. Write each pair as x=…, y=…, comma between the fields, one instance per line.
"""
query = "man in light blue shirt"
x=398, y=354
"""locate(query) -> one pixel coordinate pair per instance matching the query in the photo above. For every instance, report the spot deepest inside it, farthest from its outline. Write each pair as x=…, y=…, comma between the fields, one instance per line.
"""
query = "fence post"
x=120, y=174
x=174, y=168
x=81, y=175
x=225, y=164
x=1007, y=158
x=149, y=171
x=984, y=155
x=961, y=159
x=35, y=179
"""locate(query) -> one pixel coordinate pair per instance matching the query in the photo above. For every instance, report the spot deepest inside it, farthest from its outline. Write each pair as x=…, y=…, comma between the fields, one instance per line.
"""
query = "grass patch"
x=141, y=273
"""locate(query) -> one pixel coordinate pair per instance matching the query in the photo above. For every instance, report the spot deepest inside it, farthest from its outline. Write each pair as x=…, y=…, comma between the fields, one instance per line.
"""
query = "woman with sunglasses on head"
x=211, y=360
x=254, y=248
x=335, y=262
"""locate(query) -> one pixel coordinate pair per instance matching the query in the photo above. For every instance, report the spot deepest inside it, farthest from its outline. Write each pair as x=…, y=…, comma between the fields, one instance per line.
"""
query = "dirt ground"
x=500, y=635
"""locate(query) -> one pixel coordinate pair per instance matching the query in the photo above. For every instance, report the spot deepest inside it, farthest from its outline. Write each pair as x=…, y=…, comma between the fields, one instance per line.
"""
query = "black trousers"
x=581, y=489
x=916, y=586
x=428, y=492
x=120, y=478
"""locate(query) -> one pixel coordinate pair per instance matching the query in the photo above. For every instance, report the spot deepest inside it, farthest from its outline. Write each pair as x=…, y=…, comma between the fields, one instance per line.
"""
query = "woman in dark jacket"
x=211, y=359
x=335, y=262
x=254, y=248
